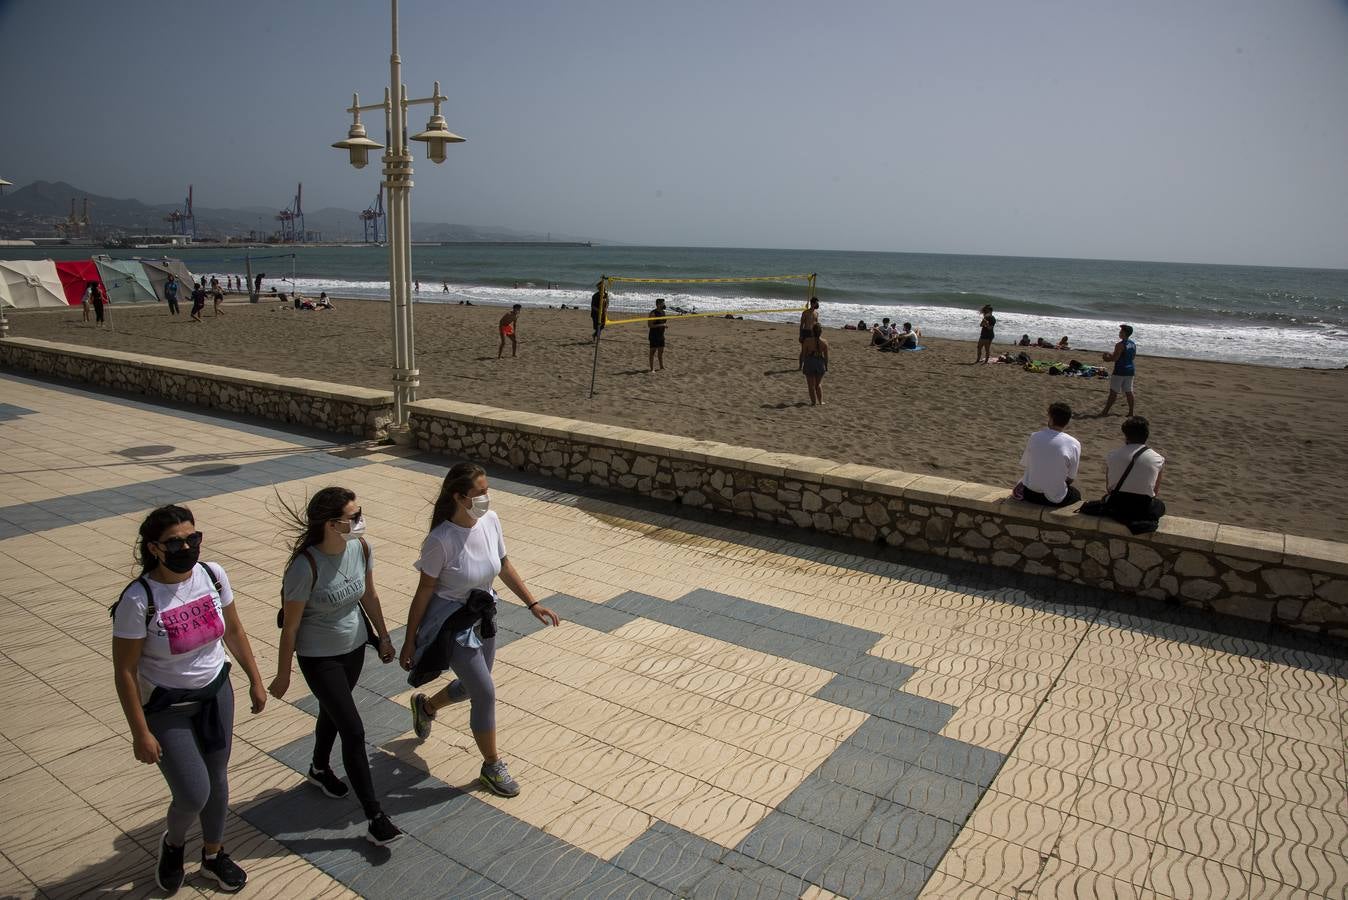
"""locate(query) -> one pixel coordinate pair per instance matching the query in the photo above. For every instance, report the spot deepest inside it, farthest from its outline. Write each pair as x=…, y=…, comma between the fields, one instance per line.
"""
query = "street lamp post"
x=397, y=187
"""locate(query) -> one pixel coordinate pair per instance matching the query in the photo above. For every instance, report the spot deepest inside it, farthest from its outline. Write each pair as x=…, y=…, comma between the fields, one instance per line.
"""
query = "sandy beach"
x=1248, y=445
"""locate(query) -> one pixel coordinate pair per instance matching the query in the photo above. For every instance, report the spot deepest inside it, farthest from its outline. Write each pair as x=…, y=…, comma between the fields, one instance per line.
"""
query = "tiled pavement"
x=725, y=713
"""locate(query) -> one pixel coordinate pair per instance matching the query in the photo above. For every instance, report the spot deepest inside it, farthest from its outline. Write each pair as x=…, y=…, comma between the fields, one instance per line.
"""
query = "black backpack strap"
x=1128, y=471
x=149, y=601
x=215, y=579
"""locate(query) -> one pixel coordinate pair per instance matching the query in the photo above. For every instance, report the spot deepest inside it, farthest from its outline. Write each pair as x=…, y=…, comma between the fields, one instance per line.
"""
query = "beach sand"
x=1248, y=445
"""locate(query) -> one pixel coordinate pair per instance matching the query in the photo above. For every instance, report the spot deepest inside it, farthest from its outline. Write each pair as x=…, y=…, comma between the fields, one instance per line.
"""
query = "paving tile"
x=1301, y=866
x=1175, y=873
x=830, y=805
x=868, y=872
x=1063, y=881
x=741, y=878
x=1102, y=849
x=669, y=858
x=793, y=845
x=936, y=794
x=863, y=770
x=1018, y=819
x=907, y=833
x=987, y=862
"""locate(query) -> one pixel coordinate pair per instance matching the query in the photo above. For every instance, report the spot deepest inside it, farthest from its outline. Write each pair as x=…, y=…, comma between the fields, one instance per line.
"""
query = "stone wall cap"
x=1317, y=554
x=1249, y=543
x=889, y=482
x=931, y=489
x=1190, y=534
x=853, y=476
x=360, y=396
x=805, y=468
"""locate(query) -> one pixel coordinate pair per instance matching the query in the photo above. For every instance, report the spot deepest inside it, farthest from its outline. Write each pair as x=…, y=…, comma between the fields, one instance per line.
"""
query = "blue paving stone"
x=776, y=643
x=301, y=809
x=863, y=770
x=792, y=845
x=422, y=804
x=476, y=833
x=919, y=712
x=830, y=805
x=892, y=739
x=609, y=881
x=865, y=872
x=740, y=878
x=669, y=857
x=964, y=761
x=734, y=607
x=597, y=616
x=907, y=833
x=854, y=693
x=936, y=794
x=826, y=656
x=879, y=671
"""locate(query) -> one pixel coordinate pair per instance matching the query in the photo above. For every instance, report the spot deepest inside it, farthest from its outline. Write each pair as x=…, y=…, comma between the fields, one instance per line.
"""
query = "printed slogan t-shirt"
x=183, y=643
x=332, y=624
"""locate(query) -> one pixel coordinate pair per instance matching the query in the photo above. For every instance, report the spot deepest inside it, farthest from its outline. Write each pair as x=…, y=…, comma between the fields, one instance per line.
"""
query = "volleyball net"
x=627, y=300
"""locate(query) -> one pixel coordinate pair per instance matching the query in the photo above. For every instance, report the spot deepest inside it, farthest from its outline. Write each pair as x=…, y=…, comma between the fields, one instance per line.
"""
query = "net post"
x=599, y=330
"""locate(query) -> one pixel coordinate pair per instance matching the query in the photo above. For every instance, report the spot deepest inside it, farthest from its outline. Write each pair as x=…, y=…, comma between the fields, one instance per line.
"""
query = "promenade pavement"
x=726, y=711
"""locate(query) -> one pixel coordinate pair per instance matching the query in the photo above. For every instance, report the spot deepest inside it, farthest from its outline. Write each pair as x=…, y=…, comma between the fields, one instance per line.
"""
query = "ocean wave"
x=1289, y=344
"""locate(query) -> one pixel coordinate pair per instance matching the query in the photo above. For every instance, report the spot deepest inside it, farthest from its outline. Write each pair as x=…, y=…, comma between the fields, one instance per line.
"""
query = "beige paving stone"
x=1018, y=820
x=1156, y=746
x=1055, y=751
x=1305, y=788
x=600, y=826
x=1299, y=824
x=1074, y=723
x=1214, y=798
x=14, y=883
x=1043, y=784
x=940, y=886
x=1219, y=840
x=1311, y=729
x=992, y=864
x=1142, y=776
x=1175, y=873
x=1118, y=808
x=1063, y=881
x=991, y=734
x=1106, y=850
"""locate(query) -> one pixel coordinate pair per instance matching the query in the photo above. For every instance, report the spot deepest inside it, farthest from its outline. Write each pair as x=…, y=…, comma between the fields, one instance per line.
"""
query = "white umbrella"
x=27, y=284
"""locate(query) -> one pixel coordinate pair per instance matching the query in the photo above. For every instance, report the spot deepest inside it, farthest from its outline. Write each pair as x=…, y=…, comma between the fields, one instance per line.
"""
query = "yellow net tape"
x=808, y=278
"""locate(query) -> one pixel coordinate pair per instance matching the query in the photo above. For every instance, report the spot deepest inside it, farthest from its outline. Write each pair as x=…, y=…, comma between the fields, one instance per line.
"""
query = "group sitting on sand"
x=888, y=337
x=1043, y=343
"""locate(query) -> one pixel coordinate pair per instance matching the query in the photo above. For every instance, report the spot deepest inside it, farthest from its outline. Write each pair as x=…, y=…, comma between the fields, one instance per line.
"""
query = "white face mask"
x=480, y=506
x=355, y=529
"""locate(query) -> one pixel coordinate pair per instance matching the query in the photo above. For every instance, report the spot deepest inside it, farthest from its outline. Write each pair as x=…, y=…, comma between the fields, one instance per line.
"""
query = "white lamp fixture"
x=356, y=142
x=437, y=134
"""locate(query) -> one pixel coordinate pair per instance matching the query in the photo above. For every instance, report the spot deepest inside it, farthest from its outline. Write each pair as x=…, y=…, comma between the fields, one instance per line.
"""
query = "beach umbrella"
x=158, y=271
x=75, y=275
x=125, y=280
x=28, y=284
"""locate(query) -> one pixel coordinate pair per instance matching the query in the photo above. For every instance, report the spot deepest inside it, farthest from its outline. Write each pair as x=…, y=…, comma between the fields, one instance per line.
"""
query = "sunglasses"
x=173, y=545
x=355, y=517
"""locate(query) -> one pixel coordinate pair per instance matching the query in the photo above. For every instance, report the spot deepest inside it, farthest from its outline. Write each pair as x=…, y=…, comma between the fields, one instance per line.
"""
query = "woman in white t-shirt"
x=463, y=553
x=170, y=630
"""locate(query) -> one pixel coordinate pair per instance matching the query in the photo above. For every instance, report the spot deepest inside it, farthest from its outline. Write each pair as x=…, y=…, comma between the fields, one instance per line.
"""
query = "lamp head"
x=359, y=145
x=437, y=137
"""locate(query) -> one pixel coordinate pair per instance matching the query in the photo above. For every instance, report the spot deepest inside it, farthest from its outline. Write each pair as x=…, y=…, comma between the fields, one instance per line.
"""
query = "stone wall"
x=300, y=401
x=1265, y=576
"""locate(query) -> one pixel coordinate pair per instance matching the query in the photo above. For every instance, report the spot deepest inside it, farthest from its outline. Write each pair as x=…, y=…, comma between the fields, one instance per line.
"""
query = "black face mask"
x=182, y=561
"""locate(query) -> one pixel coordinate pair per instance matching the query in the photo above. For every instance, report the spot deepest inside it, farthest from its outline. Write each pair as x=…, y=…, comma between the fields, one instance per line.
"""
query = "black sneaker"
x=223, y=870
x=169, y=873
x=382, y=832
x=328, y=783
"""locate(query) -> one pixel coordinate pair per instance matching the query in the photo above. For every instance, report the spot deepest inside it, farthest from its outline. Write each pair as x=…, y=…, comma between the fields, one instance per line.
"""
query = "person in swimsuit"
x=655, y=329
x=983, y=353
x=506, y=327
x=1121, y=382
x=809, y=317
x=814, y=363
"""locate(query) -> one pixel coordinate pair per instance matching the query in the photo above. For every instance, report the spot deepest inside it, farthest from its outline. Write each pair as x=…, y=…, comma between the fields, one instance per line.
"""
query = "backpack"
x=370, y=637
x=149, y=594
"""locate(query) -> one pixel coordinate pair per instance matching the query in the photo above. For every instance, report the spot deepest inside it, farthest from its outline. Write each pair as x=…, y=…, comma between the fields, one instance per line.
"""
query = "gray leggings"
x=472, y=666
x=198, y=781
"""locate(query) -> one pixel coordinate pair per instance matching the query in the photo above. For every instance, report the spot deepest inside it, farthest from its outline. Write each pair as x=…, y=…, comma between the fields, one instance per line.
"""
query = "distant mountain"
x=35, y=210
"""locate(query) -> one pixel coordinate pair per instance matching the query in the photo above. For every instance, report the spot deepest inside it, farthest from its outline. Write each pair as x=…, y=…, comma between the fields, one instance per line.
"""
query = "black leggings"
x=332, y=679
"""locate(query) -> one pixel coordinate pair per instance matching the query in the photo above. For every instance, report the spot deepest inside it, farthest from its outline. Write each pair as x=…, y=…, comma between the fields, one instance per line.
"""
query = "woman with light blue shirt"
x=330, y=606
x=452, y=619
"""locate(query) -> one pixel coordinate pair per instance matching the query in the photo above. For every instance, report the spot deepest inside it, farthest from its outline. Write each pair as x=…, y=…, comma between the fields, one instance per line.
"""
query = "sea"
x=1290, y=317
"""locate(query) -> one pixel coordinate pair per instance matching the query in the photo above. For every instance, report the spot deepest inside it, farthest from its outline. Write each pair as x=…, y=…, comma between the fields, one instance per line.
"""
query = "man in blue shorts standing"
x=1121, y=382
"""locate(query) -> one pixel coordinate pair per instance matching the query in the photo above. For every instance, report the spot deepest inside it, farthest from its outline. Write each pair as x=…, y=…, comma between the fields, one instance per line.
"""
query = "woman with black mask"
x=170, y=630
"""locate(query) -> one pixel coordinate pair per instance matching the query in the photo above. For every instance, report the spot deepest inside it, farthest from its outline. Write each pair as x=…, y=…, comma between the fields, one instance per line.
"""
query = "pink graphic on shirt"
x=192, y=625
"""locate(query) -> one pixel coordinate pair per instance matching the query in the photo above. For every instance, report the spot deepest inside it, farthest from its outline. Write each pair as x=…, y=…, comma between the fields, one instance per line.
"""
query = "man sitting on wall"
x=1050, y=460
x=1133, y=478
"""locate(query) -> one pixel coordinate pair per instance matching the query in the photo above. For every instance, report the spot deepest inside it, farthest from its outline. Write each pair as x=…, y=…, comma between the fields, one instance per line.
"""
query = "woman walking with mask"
x=328, y=593
x=170, y=630
x=452, y=619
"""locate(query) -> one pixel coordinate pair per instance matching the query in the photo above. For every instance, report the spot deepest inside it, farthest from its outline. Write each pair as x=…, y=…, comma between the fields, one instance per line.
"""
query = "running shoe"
x=496, y=779
x=223, y=870
x=383, y=832
x=169, y=873
x=327, y=782
x=421, y=720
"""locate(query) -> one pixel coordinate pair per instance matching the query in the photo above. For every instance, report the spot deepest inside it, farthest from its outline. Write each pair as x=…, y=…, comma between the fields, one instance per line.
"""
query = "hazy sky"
x=1203, y=130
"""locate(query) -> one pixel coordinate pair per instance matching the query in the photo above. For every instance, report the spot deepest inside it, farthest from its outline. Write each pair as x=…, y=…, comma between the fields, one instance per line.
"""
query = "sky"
x=1200, y=131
